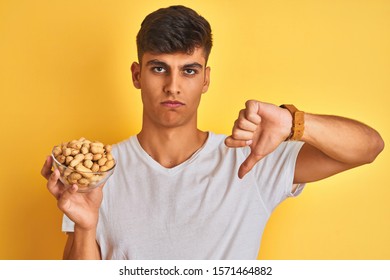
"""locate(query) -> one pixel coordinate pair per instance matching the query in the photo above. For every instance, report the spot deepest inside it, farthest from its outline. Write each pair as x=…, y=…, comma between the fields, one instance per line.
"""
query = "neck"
x=171, y=146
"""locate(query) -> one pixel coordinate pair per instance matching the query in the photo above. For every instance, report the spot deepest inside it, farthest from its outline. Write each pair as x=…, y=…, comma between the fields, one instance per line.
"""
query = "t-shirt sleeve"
x=275, y=174
x=67, y=224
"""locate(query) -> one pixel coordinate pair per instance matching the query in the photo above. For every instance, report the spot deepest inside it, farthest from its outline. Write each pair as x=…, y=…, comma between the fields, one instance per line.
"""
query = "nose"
x=172, y=84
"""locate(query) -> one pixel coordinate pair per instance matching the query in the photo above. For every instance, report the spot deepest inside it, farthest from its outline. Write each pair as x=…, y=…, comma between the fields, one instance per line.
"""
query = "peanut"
x=68, y=160
x=86, y=172
x=103, y=168
x=88, y=163
x=97, y=143
x=83, y=182
x=57, y=151
x=97, y=157
x=61, y=158
x=75, y=176
x=75, y=144
x=67, y=172
x=84, y=150
x=102, y=161
x=79, y=156
x=79, y=160
x=66, y=151
x=96, y=149
x=110, y=163
x=88, y=156
x=95, y=167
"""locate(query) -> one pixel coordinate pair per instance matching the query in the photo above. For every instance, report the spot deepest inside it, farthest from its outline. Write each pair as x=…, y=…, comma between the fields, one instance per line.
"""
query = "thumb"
x=248, y=164
x=64, y=202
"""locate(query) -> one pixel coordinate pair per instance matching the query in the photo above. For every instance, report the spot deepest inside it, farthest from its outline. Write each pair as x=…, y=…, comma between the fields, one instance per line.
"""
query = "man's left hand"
x=263, y=127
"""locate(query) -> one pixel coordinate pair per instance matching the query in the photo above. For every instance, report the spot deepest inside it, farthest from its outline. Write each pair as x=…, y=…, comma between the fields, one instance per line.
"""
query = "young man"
x=182, y=193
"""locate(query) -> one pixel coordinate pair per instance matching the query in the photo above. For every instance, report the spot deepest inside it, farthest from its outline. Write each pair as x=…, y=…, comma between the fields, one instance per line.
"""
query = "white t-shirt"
x=199, y=209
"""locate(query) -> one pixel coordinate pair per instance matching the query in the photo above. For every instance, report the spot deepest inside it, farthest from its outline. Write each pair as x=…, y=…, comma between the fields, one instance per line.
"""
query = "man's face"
x=171, y=87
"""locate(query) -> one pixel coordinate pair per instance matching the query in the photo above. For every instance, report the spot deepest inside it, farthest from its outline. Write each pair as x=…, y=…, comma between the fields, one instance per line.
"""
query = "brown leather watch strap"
x=298, y=122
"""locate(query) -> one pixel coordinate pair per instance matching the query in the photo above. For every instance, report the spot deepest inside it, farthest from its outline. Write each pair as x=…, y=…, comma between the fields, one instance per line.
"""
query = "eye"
x=159, y=69
x=190, y=72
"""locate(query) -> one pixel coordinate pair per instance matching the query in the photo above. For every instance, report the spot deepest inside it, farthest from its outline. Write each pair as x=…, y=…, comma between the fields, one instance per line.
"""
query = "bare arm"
x=332, y=144
x=81, y=246
x=82, y=209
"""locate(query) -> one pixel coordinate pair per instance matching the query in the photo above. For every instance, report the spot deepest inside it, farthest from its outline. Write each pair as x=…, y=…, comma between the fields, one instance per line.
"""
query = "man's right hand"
x=81, y=208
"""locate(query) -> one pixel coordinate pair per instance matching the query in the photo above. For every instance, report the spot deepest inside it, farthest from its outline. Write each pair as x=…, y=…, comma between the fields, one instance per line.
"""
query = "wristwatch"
x=298, y=122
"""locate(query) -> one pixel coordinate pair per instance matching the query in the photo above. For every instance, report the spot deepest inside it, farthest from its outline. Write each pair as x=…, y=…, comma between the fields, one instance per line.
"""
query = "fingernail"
x=249, y=142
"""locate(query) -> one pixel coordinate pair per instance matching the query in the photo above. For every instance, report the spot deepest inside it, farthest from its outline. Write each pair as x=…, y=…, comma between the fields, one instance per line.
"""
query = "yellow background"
x=64, y=73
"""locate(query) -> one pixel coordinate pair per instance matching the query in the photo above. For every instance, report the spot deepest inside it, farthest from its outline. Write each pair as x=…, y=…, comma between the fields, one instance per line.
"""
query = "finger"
x=52, y=183
x=243, y=123
x=239, y=134
x=46, y=168
x=252, y=111
x=233, y=143
x=244, y=129
x=64, y=201
x=248, y=164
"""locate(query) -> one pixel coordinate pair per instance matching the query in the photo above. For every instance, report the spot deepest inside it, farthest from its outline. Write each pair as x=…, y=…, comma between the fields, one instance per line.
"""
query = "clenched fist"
x=263, y=127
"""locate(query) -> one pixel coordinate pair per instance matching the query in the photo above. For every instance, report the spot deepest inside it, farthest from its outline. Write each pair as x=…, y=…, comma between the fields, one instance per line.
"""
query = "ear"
x=206, y=79
x=136, y=74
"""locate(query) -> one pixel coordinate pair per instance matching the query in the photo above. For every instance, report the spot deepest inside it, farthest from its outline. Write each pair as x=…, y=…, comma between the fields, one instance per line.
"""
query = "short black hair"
x=174, y=29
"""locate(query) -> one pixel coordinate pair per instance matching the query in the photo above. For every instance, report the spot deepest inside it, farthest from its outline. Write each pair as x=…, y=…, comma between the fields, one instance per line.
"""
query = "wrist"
x=84, y=245
x=297, y=123
x=84, y=237
x=286, y=125
x=85, y=232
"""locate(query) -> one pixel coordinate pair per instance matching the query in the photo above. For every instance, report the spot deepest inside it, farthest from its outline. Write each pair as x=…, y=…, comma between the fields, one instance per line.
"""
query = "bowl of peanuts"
x=83, y=162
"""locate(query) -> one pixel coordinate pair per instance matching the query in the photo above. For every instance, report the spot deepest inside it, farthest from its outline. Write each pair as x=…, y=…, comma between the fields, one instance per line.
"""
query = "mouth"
x=172, y=103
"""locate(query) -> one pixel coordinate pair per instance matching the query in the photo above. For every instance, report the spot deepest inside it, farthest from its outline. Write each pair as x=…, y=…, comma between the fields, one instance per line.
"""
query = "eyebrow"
x=156, y=62
x=193, y=65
